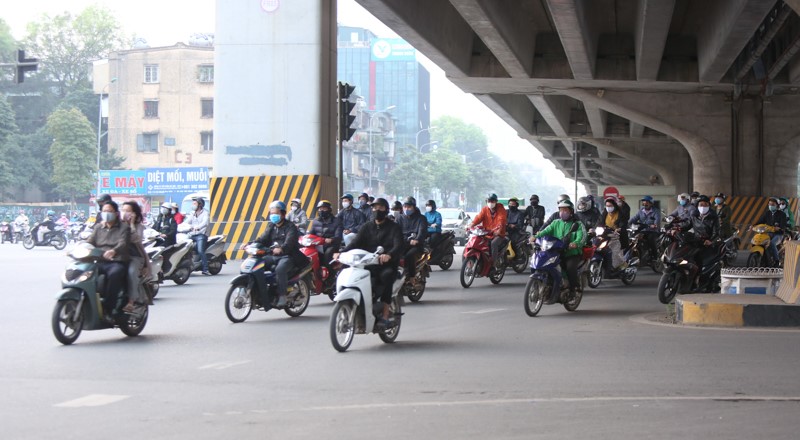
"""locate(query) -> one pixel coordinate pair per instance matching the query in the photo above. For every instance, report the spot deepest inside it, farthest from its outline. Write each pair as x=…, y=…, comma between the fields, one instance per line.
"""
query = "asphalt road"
x=468, y=363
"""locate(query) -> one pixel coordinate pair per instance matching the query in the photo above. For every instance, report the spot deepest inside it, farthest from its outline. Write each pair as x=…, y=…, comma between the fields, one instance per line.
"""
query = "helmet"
x=324, y=204
x=431, y=203
x=720, y=195
x=103, y=199
x=621, y=198
x=175, y=205
x=397, y=206
x=647, y=199
x=201, y=203
x=784, y=200
x=298, y=201
x=167, y=205
x=51, y=213
x=683, y=196
x=563, y=197
x=410, y=201
x=278, y=204
x=534, y=197
x=347, y=196
x=695, y=194
x=364, y=195
x=492, y=197
x=584, y=204
x=703, y=198
x=382, y=202
x=773, y=199
x=566, y=204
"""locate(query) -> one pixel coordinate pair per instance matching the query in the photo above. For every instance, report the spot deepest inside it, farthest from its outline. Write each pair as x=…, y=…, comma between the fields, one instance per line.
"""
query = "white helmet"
x=684, y=196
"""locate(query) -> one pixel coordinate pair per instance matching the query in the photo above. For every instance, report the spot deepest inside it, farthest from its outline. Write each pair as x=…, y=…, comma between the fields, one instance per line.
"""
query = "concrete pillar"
x=275, y=115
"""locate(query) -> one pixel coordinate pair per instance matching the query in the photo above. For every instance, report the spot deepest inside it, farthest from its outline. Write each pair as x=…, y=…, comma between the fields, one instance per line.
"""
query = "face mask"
x=682, y=202
x=646, y=207
x=564, y=215
x=782, y=206
x=609, y=209
x=362, y=203
x=534, y=203
x=125, y=216
x=396, y=214
x=694, y=201
x=294, y=208
x=194, y=206
x=164, y=211
x=324, y=214
x=428, y=208
x=380, y=215
x=275, y=218
x=513, y=208
x=773, y=208
x=408, y=211
x=718, y=201
x=492, y=205
x=108, y=216
x=703, y=210
x=345, y=205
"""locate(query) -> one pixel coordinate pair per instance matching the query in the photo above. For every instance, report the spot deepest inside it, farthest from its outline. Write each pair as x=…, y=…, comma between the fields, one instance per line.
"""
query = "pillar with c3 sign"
x=274, y=111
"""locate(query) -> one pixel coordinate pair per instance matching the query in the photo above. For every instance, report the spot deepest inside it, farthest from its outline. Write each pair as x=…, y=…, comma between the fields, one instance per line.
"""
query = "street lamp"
x=416, y=142
x=370, y=141
x=99, y=135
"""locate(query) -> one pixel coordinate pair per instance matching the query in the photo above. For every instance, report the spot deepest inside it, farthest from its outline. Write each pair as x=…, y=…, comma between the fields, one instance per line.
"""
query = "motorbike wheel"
x=300, y=299
x=754, y=260
x=595, y=274
x=156, y=287
x=628, y=277
x=468, y=269
x=66, y=328
x=572, y=304
x=181, y=275
x=214, y=267
x=534, y=296
x=59, y=242
x=658, y=265
x=390, y=335
x=522, y=265
x=28, y=243
x=446, y=262
x=495, y=276
x=415, y=295
x=238, y=303
x=668, y=287
x=343, y=325
x=133, y=326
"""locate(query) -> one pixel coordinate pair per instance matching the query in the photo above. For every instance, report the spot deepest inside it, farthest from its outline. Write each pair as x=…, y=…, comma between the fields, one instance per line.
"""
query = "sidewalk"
x=736, y=311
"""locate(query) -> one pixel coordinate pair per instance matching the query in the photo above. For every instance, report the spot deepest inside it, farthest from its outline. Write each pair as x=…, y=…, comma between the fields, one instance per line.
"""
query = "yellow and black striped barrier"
x=789, y=290
x=746, y=211
x=239, y=205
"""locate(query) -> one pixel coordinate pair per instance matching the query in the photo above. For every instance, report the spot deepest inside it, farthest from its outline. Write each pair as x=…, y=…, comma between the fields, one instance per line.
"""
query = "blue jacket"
x=434, y=222
x=652, y=218
x=351, y=219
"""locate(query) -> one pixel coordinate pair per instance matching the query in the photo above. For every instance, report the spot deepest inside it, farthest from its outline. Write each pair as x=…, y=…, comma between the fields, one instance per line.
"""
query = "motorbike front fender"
x=757, y=250
x=240, y=280
x=349, y=293
x=69, y=293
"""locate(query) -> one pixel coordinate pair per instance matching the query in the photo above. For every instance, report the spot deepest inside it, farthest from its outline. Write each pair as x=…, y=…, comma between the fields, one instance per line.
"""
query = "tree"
x=448, y=171
x=73, y=152
x=31, y=160
x=409, y=173
x=68, y=44
x=8, y=134
x=111, y=160
x=8, y=45
x=459, y=136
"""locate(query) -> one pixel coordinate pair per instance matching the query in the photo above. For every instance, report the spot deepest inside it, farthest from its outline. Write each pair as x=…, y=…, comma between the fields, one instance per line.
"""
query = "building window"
x=206, y=108
x=205, y=73
x=151, y=109
x=207, y=140
x=151, y=73
x=147, y=142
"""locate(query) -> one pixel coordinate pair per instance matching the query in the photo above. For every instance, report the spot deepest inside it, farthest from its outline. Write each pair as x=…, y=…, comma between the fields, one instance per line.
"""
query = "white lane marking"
x=92, y=400
x=222, y=365
x=481, y=312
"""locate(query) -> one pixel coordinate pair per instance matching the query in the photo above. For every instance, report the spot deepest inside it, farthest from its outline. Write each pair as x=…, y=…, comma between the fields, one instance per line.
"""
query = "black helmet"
x=382, y=202
x=584, y=204
x=492, y=198
x=534, y=197
x=324, y=204
x=201, y=203
x=720, y=195
x=410, y=201
x=703, y=198
x=695, y=194
x=431, y=203
x=397, y=206
x=103, y=199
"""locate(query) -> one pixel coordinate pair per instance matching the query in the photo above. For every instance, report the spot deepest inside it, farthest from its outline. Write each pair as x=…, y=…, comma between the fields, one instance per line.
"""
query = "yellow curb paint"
x=729, y=315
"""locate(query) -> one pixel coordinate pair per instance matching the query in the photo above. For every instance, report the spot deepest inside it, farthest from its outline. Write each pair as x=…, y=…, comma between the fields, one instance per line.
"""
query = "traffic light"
x=24, y=65
x=345, y=107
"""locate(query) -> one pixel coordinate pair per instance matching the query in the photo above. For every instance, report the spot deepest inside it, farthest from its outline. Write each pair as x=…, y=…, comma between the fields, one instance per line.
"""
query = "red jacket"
x=490, y=222
x=178, y=218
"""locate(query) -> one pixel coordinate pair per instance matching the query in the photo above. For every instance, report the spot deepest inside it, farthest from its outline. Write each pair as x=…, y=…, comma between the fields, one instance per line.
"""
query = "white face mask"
x=428, y=208
x=345, y=205
x=609, y=209
x=703, y=210
x=492, y=205
x=294, y=208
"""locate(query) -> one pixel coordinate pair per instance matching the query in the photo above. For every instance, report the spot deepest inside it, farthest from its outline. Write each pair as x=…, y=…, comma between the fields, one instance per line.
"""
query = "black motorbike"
x=640, y=246
x=601, y=264
x=6, y=232
x=56, y=238
x=442, y=251
x=523, y=249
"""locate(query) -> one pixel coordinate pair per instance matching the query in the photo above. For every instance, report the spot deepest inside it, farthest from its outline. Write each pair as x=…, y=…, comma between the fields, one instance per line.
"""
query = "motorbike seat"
x=213, y=239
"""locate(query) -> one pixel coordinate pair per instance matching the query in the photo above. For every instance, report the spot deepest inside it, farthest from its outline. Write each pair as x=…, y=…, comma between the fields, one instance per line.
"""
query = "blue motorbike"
x=547, y=278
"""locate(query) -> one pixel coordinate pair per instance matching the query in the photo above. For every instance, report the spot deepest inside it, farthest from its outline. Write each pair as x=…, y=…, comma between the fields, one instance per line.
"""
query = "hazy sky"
x=165, y=22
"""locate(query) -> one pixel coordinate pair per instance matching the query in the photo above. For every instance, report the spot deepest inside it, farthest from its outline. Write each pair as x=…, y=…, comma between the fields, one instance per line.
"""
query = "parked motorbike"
x=323, y=278
x=6, y=234
x=358, y=308
x=56, y=238
x=247, y=293
x=477, y=261
x=215, y=250
x=442, y=253
x=758, y=245
x=78, y=305
x=640, y=246
x=601, y=265
x=679, y=266
x=548, y=279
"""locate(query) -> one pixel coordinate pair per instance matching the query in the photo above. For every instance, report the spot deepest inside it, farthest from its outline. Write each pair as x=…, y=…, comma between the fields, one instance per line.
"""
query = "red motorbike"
x=324, y=279
x=478, y=262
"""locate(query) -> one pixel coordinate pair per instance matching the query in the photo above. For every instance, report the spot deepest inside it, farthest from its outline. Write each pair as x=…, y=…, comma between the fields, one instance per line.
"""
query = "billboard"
x=393, y=49
x=123, y=182
x=162, y=181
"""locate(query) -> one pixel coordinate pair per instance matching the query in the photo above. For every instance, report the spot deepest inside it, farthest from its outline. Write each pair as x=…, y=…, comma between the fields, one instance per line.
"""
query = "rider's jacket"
x=684, y=212
x=434, y=219
x=285, y=234
x=351, y=219
x=705, y=227
x=116, y=237
x=516, y=218
x=21, y=220
x=298, y=217
x=724, y=212
x=490, y=221
x=387, y=234
x=560, y=229
x=327, y=228
x=652, y=217
x=535, y=216
x=773, y=218
x=165, y=224
x=589, y=218
x=415, y=224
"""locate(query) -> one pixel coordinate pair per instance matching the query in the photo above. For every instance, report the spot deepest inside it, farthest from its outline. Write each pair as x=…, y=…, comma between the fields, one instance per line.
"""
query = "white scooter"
x=170, y=262
x=357, y=310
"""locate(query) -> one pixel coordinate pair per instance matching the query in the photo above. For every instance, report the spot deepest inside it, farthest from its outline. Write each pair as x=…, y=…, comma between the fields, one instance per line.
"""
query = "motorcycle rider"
x=434, y=219
x=493, y=217
x=515, y=224
x=139, y=267
x=9, y=234
x=198, y=221
x=586, y=213
x=554, y=216
x=350, y=218
x=22, y=222
x=42, y=232
x=650, y=217
x=414, y=227
x=387, y=234
x=685, y=209
x=569, y=229
x=624, y=207
x=534, y=214
x=364, y=206
x=705, y=225
x=724, y=213
x=614, y=218
x=165, y=225
x=328, y=227
x=777, y=219
x=114, y=238
x=693, y=198
x=397, y=211
x=176, y=214
x=285, y=257
x=783, y=206
x=297, y=214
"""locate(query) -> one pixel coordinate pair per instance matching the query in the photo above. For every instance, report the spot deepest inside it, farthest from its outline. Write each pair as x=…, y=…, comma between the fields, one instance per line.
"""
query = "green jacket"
x=559, y=230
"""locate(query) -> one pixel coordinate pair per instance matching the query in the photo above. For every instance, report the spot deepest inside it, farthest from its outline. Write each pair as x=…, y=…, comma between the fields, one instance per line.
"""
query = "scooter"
x=477, y=261
x=680, y=270
x=6, y=234
x=79, y=306
x=215, y=250
x=520, y=262
x=176, y=260
x=547, y=279
x=442, y=253
x=20, y=231
x=413, y=288
x=323, y=278
x=604, y=241
x=758, y=245
x=357, y=308
x=56, y=238
x=247, y=292
x=731, y=249
x=640, y=247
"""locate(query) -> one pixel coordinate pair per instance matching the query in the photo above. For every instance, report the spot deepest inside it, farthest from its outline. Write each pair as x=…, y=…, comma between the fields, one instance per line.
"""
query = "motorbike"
x=74, y=231
x=547, y=278
x=520, y=262
x=442, y=253
x=640, y=245
x=758, y=244
x=215, y=250
x=679, y=266
x=20, y=231
x=323, y=278
x=174, y=262
x=357, y=308
x=413, y=288
x=56, y=238
x=245, y=293
x=6, y=234
x=477, y=259
x=600, y=266
x=731, y=249
x=79, y=306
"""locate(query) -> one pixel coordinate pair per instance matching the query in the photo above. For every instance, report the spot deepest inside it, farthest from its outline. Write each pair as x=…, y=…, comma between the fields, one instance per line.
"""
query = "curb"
x=710, y=312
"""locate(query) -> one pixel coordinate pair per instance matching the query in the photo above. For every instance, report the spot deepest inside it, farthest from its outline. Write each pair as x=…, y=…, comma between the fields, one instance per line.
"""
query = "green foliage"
x=111, y=160
x=83, y=98
x=72, y=152
x=30, y=160
x=8, y=45
x=449, y=170
x=410, y=172
x=459, y=136
x=8, y=133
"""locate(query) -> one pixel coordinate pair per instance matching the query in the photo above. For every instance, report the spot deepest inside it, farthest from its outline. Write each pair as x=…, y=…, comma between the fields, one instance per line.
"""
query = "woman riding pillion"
x=571, y=231
x=139, y=267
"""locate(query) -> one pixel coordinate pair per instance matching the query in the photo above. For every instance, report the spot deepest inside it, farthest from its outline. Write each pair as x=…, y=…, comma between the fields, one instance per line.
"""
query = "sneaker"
x=281, y=302
x=205, y=272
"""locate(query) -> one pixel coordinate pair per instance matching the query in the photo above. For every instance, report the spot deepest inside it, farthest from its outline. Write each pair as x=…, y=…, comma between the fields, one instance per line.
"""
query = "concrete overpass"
x=700, y=94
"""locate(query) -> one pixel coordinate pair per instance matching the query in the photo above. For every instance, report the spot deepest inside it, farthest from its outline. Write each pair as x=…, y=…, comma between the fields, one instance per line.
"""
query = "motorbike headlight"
x=599, y=230
x=76, y=276
x=683, y=262
x=602, y=245
x=547, y=245
x=306, y=241
x=760, y=229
